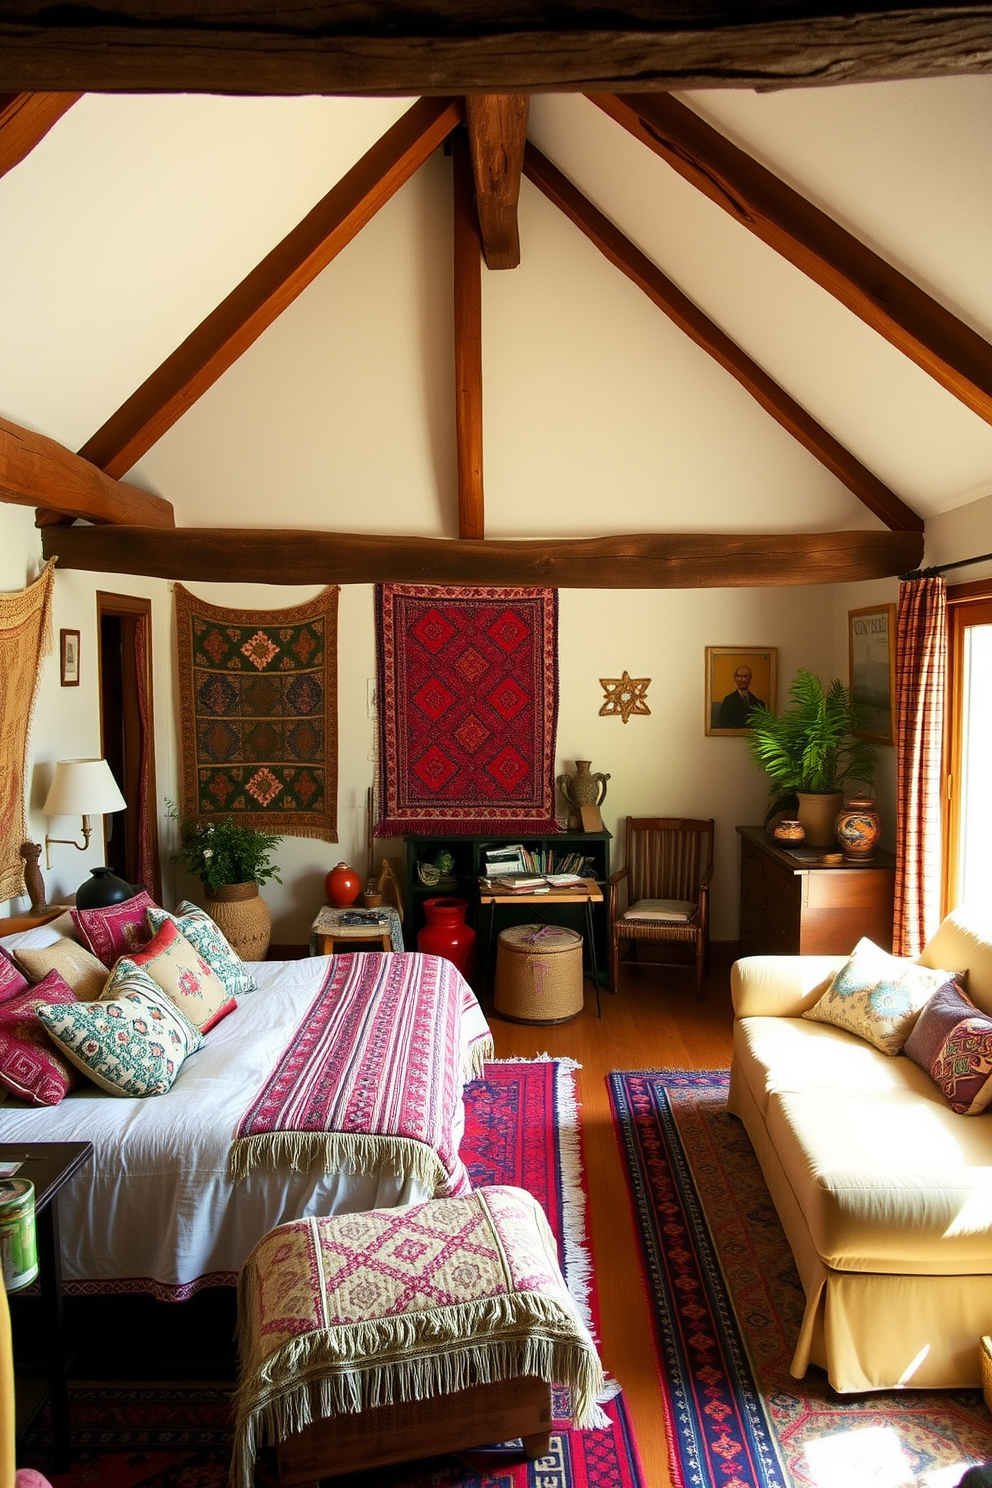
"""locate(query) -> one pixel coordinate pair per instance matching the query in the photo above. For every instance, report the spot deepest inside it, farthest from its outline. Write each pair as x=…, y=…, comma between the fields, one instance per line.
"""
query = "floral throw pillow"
x=115, y=930
x=211, y=942
x=30, y=1064
x=183, y=975
x=952, y=1041
x=878, y=996
x=133, y=1045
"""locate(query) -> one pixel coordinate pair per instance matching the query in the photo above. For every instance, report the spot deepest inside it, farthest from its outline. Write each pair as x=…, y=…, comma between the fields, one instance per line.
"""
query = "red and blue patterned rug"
x=522, y=1127
x=727, y=1303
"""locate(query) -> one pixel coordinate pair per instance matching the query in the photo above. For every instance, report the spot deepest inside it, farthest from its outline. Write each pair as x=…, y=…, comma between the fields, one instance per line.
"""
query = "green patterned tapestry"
x=258, y=713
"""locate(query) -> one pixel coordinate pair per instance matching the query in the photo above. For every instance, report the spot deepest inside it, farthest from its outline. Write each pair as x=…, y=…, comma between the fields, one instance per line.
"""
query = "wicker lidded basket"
x=539, y=974
x=986, y=1347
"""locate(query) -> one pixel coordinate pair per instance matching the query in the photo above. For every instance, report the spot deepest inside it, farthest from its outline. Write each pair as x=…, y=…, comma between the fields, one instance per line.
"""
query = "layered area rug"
x=522, y=1128
x=727, y=1303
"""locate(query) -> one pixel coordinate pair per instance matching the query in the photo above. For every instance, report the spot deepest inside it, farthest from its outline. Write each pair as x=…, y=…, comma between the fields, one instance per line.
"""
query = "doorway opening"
x=124, y=628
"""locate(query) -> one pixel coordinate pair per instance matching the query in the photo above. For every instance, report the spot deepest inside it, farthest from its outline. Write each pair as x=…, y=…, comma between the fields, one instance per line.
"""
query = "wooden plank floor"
x=653, y=1022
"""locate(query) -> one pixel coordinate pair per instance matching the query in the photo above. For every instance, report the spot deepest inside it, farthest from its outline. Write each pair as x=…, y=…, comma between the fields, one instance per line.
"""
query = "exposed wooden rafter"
x=692, y=560
x=497, y=129
x=951, y=352
x=25, y=118
x=462, y=46
x=273, y=284
x=689, y=318
x=36, y=471
x=468, y=345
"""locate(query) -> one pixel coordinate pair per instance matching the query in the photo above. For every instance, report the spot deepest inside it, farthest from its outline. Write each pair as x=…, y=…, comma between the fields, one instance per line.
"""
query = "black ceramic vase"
x=101, y=889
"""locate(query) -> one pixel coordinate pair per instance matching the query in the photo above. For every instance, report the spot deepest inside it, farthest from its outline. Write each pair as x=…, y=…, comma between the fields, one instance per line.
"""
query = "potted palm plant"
x=231, y=859
x=808, y=750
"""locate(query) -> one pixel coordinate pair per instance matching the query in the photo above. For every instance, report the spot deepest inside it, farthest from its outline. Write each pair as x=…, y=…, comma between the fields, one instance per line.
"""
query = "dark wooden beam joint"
x=39, y=472
x=693, y=560
x=468, y=345
x=497, y=129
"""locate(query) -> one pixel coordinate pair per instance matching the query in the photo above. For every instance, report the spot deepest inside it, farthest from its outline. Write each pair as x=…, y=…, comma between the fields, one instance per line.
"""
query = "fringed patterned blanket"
x=468, y=703
x=345, y=1314
x=371, y=1078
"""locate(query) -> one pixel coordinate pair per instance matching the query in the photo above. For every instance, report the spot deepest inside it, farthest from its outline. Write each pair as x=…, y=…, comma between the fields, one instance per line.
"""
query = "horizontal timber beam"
x=682, y=311
x=689, y=560
x=25, y=118
x=36, y=471
x=252, y=306
x=462, y=46
x=911, y=320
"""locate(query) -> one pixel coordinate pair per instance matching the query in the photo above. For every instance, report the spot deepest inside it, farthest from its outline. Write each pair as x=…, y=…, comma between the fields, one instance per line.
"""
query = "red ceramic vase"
x=446, y=934
x=342, y=886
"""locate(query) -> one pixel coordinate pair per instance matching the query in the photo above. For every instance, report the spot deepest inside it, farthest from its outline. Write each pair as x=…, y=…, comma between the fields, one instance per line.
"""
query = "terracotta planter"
x=243, y=915
x=446, y=934
x=818, y=813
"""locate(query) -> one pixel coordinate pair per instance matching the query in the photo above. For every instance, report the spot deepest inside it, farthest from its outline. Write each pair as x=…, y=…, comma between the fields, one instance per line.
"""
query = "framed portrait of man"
x=738, y=678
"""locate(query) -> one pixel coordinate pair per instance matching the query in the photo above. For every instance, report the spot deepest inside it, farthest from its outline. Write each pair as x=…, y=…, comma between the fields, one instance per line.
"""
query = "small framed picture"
x=69, y=654
x=871, y=640
x=738, y=678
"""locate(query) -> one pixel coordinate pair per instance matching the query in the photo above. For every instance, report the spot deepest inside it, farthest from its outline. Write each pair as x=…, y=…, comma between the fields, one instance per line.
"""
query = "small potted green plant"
x=809, y=750
x=231, y=859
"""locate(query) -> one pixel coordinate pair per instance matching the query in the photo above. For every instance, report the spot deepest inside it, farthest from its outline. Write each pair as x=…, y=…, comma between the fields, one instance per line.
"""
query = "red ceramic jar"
x=342, y=886
x=446, y=934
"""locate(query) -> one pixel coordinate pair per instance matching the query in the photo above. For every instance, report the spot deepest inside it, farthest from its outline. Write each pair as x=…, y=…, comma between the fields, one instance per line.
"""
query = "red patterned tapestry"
x=468, y=706
x=258, y=714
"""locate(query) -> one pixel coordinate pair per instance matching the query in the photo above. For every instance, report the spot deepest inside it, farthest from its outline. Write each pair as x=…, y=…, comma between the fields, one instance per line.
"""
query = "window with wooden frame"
x=968, y=818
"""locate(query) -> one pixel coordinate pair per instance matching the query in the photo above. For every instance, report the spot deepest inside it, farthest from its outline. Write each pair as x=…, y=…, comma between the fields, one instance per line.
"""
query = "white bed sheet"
x=155, y=1211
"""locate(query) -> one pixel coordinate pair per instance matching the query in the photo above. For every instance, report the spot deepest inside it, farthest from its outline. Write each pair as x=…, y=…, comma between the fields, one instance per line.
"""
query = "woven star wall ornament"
x=624, y=695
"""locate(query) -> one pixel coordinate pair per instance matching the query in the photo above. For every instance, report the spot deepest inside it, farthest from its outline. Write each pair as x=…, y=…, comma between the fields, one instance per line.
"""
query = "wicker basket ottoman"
x=539, y=974
x=367, y=1339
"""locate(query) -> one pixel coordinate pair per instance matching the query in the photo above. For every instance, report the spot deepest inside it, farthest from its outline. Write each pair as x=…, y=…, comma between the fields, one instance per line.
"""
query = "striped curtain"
x=921, y=657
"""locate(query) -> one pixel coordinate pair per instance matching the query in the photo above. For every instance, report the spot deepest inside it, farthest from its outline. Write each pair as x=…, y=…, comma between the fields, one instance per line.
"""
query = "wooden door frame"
x=967, y=604
x=130, y=607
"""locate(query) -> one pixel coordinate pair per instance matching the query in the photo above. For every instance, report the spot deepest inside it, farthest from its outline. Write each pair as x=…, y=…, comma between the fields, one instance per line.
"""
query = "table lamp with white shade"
x=86, y=788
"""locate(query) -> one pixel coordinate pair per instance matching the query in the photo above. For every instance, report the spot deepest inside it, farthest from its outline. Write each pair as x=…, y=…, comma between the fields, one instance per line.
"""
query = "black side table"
x=49, y=1165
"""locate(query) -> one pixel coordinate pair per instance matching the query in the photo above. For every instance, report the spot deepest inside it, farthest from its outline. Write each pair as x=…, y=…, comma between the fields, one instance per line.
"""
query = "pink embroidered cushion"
x=183, y=975
x=30, y=1064
x=116, y=930
x=11, y=980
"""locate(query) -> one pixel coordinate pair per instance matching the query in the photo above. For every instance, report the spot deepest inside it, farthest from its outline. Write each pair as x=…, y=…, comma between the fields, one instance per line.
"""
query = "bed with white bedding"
x=161, y=1208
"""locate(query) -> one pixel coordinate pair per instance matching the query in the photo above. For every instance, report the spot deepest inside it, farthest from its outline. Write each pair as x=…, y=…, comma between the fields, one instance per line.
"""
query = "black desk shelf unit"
x=463, y=882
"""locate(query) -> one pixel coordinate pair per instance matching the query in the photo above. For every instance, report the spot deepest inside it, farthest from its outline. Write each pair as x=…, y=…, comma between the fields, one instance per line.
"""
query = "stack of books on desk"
x=524, y=883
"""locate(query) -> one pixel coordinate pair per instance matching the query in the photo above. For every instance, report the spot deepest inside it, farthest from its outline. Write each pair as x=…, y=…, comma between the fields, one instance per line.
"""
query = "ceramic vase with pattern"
x=858, y=828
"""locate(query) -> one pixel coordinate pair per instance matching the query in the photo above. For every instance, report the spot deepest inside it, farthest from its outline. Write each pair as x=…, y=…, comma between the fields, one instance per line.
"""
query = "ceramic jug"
x=582, y=789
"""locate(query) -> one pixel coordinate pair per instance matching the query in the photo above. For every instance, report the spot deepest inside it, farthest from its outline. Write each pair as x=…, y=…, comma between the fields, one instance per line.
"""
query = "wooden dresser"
x=791, y=904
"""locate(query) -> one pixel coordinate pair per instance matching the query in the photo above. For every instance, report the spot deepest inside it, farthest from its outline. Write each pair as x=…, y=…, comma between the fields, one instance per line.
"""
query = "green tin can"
x=18, y=1243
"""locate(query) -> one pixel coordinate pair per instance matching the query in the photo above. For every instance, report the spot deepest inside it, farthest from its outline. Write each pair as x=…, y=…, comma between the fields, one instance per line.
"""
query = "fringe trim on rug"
x=346, y=1152
x=437, y=826
x=334, y=1372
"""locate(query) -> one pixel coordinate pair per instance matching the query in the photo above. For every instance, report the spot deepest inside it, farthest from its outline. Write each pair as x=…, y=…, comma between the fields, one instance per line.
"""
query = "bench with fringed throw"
x=351, y=1329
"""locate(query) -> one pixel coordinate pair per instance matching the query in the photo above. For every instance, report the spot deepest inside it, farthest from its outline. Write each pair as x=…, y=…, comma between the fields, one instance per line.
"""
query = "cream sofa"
x=884, y=1193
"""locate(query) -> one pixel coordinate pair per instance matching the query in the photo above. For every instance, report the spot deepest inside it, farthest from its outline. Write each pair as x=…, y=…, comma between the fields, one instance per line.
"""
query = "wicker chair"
x=668, y=860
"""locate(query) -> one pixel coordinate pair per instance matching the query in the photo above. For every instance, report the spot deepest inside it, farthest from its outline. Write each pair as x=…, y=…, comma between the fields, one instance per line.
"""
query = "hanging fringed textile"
x=25, y=639
x=921, y=660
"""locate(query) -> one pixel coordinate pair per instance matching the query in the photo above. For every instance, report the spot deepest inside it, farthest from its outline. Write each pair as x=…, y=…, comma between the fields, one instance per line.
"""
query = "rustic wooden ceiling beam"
x=25, y=118
x=461, y=46
x=262, y=295
x=37, y=471
x=468, y=345
x=497, y=130
x=621, y=252
x=693, y=560
x=950, y=351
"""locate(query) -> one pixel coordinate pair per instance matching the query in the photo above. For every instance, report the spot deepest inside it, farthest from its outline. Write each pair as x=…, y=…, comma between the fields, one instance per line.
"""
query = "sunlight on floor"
x=871, y=1458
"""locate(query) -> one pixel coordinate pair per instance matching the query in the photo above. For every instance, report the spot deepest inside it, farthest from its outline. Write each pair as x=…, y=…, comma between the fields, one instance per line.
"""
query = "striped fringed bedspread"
x=372, y=1077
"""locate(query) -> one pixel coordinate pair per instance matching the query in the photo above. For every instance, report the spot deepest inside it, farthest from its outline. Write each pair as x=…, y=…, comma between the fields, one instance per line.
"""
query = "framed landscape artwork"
x=871, y=636
x=738, y=678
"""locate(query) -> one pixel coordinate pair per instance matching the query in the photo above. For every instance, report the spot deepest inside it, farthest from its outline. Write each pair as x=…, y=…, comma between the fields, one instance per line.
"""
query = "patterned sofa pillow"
x=12, y=980
x=952, y=1041
x=30, y=1065
x=133, y=1045
x=115, y=930
x=211, y=942
x=183, y=975
x=878, y=996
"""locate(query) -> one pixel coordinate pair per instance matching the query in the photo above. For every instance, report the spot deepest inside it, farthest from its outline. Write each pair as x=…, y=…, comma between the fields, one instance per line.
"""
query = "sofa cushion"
x=877, y=996
x=962, y=946
x=952, y=1041
x=888, y=1181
